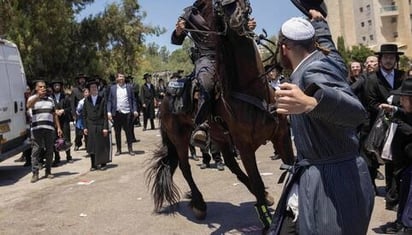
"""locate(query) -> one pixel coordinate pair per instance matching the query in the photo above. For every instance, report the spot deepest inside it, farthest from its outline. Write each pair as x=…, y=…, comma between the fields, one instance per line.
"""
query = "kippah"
x=298, y=29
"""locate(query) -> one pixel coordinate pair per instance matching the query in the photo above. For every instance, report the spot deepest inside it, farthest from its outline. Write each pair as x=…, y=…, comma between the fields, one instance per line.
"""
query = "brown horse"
x=241, y=110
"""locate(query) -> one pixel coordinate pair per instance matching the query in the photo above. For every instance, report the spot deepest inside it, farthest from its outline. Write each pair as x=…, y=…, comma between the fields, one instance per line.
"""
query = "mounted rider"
x=193, y=23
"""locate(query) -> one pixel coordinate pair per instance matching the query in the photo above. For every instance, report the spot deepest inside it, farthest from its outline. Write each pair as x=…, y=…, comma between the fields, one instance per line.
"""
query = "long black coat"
x=66, y=117
x=378, y=90
x=147, y=96
x=95, y=120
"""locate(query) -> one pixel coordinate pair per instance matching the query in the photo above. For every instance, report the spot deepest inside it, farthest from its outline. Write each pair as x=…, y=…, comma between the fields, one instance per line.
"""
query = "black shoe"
x=35, y=177
x=103, y=167
x=204, y=165
x=27, y=164
x=379, y=175
x=391, y=227
x=49, y=175
x=144, y=128
x=55, y=163
x=390, y=207
x=117, y=153
x=220, y=166
x=275, y=157
x=131, y=153
x=70, y=159
x=93, y=168
x=76, y=148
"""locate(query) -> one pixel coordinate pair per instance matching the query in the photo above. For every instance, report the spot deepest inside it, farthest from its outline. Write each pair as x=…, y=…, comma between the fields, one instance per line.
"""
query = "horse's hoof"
x=269, y=200
x=200, y=215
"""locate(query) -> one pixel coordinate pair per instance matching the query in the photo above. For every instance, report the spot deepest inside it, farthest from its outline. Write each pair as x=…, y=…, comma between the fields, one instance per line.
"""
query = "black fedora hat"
x=146, y=76
x=81, y=75
x=56, y=82
x=389, y=49
x=405, y=88
x=92, y=81
x=305, y=5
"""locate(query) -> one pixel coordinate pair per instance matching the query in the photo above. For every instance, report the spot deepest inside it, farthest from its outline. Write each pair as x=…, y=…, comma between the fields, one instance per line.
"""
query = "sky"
x=269, y=15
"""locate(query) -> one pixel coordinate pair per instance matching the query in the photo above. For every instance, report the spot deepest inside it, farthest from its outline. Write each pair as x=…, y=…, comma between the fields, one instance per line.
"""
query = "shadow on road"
x=223, y=217
x=11, y=174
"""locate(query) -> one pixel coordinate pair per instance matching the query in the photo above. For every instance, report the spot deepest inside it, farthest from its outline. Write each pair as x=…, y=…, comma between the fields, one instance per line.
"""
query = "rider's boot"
x=200, y=137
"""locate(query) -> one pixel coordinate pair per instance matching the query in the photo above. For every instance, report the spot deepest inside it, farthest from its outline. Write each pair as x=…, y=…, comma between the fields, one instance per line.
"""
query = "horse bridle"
x=242, y=16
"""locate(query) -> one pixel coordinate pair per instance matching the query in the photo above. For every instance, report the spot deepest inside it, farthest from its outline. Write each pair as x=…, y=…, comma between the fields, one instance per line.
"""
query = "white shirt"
x=390, y=77
x=122, y=99
x=94, y=99
x=57, y=97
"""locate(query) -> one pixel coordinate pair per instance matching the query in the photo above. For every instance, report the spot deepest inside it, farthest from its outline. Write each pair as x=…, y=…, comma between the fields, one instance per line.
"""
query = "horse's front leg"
x=258, y=188
x=197, y=202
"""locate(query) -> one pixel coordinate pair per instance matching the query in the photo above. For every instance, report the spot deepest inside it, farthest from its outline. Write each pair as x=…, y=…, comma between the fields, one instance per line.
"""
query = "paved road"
x=118, y=201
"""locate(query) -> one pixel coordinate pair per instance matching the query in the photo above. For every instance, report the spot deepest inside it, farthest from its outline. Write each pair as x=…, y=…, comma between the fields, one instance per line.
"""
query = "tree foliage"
x=54, y=45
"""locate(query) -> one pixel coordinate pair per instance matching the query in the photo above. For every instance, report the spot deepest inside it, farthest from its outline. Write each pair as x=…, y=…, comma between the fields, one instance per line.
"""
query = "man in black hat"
x=76, y=96
x=147, y=96
x=64, y=112
x=401, y=148
x=96, y=127
x=378, y=91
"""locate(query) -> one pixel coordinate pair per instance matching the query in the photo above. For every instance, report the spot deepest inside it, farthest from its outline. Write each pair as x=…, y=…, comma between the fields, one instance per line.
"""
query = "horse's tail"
x=160, y=174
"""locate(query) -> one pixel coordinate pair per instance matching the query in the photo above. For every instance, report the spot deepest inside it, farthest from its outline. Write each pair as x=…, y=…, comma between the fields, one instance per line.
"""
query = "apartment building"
x=372, y=22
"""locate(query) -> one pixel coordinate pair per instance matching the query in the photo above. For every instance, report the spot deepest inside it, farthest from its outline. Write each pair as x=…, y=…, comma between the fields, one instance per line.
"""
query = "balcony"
x=389, y=10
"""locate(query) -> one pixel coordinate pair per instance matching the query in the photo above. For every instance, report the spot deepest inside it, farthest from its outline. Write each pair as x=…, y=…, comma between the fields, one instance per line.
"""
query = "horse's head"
x=235, y=14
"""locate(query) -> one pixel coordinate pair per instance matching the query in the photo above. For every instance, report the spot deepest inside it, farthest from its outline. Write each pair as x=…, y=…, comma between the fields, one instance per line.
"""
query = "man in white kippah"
x=329, y=190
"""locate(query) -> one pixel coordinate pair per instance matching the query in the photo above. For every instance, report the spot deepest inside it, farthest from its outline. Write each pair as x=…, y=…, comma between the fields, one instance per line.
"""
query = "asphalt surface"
x=117, y=200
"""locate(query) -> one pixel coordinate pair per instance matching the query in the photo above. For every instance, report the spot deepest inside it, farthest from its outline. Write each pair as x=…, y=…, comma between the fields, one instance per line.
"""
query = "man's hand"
x=387, y=108
x=290, y=99
x=59, y=112
x=59, y=132
x=180, y=26
x=105, y=132
x=109, y=117
x=85, y=131
x=316, y=15
x=251, y=24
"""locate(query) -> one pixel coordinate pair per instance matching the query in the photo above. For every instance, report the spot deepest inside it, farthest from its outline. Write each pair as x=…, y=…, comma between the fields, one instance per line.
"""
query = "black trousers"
x=122, y=120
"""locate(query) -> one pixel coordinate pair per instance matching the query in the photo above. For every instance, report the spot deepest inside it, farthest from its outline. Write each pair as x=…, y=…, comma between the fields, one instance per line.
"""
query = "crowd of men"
x=331, y=114
x=93, y=106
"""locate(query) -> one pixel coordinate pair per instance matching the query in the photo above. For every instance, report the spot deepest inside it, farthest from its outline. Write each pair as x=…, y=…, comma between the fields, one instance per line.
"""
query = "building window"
x=371, y=37
x=362, y=24
x=368, y=7
x=363, y=38
x=361, y=9
x=370, y=22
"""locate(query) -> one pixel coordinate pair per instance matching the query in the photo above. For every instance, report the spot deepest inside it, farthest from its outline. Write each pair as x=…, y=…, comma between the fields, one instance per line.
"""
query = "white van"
x=13, y=126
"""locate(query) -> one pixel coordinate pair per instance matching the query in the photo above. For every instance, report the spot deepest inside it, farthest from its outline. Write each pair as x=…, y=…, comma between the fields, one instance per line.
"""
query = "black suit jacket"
x=95, y=114
x=377, y=91
x=63, y=103
x=112, y=99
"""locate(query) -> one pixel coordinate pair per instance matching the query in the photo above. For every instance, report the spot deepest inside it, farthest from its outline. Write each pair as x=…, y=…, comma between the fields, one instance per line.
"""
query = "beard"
x=284, y=61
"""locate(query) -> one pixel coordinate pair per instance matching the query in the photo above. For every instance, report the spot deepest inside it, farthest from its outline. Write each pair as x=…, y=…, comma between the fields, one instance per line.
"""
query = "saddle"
x=180, y=93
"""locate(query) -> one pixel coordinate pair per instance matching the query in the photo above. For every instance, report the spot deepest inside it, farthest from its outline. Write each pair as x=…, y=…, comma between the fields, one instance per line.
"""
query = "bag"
x=61, y=145
x=386, y=150
x=179, y=93
x=375, y=141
